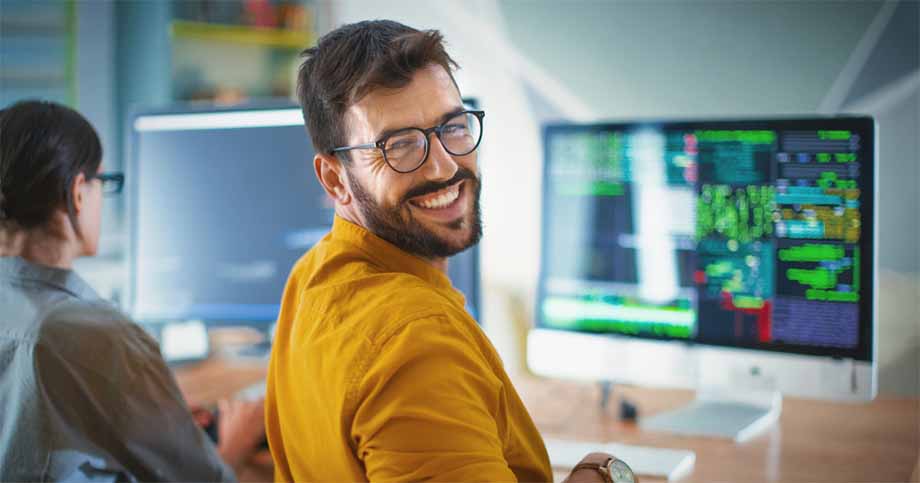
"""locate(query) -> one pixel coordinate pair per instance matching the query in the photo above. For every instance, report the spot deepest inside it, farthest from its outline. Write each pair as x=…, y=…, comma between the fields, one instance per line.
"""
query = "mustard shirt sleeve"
x=425, y=406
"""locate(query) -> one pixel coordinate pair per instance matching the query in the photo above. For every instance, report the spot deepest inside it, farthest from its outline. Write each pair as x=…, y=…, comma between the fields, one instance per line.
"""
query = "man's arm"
x=425, y=409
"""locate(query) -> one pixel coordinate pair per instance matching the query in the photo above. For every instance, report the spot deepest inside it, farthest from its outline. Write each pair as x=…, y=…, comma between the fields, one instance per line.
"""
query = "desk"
x=815, y=441
x=204, y=383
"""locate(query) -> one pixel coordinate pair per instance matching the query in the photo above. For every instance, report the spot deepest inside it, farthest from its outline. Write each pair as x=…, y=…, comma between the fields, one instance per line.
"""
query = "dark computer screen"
x=755, y=234
x=223, y=203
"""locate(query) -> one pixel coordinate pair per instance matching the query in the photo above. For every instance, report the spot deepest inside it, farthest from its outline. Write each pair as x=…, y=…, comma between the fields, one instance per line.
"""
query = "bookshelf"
x=38, y=51
x=229, y=52
x=239, y=34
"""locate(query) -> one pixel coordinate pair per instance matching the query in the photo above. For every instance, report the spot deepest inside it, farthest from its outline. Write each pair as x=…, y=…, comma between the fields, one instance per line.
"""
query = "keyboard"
x=252, y=392
x=671, y=464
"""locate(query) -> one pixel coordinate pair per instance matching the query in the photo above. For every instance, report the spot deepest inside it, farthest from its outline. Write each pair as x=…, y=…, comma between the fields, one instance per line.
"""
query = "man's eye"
x=454, y=129
x=402, y=144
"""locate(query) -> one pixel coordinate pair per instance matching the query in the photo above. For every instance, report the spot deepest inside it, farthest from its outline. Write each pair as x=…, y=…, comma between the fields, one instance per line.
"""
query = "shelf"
x=39, y=80
x=24, y=28
x=38, y=50
x=266, y=37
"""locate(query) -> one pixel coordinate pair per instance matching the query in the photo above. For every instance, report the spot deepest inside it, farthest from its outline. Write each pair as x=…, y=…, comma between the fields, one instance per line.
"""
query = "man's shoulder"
x=328, y=262
x=337, y=288
x=337, y=271
x=406, y=298
x=380, y=300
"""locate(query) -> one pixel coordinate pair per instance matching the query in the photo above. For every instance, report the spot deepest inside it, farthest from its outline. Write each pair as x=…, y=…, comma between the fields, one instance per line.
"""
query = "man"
x=378, y=372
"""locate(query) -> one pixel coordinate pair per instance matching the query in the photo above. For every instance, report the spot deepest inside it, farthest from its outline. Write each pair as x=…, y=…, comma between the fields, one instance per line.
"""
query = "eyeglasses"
x=406, y=150
x=112, y=183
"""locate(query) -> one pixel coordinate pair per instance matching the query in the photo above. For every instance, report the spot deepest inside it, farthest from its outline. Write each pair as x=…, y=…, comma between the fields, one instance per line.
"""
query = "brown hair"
x=43, y=147
x=354, y=59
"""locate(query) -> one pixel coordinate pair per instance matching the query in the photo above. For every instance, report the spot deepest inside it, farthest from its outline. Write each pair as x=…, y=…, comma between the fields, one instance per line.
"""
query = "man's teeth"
x=442, y=200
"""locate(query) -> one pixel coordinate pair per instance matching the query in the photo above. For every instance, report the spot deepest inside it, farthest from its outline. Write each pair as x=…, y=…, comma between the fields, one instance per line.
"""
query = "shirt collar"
x=390, y=256
x=18, y=268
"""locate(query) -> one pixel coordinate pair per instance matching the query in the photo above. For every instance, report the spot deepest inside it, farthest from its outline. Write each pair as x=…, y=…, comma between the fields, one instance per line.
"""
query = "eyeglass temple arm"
x=358, y=146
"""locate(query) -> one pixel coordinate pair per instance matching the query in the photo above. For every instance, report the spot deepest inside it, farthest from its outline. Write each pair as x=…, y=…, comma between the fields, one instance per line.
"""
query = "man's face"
x=432, y=212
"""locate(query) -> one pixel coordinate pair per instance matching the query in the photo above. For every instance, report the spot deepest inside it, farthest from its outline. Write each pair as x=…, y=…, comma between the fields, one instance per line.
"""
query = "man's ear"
x=76, y=191
x=331, y=174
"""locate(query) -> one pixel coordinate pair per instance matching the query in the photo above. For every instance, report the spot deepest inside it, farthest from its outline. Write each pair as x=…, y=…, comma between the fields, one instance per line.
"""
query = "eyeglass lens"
x=111, y=186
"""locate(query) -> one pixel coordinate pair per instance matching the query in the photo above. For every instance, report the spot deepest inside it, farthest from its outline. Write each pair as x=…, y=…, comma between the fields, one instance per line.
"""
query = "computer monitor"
x=222, y=204
x=717, y=254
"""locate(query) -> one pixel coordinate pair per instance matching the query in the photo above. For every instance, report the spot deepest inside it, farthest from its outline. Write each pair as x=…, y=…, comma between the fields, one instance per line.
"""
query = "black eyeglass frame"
x=117, y=178
x=381, y=143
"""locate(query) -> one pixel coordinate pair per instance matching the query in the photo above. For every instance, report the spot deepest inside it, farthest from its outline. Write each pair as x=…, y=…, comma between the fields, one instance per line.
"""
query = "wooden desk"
x=815, y=441
x=204, y=383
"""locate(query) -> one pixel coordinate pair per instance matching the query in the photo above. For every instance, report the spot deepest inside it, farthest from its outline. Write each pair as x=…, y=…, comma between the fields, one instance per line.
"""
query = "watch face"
x=620, y=473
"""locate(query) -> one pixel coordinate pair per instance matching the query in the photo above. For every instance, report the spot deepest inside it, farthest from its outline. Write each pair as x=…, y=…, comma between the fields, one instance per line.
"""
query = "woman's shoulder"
x=93, y=333
x=74, y=317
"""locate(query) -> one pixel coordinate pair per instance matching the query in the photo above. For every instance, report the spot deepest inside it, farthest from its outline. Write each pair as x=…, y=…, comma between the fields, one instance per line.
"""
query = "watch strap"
x=602, y=468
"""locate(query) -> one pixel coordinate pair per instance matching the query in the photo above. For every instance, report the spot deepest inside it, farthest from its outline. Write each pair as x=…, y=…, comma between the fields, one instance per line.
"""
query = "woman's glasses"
x=112, y=183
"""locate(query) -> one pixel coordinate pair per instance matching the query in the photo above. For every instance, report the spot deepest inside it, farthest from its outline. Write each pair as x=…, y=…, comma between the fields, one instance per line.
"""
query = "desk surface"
x=815, y=441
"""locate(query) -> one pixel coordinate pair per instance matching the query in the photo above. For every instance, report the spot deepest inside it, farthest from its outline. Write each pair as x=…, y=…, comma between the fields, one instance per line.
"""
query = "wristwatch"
x=612, y=469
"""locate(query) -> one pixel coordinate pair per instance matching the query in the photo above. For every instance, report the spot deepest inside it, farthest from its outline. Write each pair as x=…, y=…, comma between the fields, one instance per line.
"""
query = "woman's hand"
x=242, y=431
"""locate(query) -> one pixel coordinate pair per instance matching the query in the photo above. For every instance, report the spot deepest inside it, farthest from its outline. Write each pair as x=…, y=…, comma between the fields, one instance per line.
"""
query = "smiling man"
x=377, y=371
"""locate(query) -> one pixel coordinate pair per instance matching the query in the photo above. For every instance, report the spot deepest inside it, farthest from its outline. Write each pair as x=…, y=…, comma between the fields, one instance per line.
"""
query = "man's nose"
x=441, y=164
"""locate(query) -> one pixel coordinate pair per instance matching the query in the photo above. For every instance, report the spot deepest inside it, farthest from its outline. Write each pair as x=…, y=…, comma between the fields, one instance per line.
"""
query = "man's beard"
x=407, y=233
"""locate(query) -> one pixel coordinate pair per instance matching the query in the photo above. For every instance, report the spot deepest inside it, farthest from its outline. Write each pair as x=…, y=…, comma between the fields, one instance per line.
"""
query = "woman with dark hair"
x=84, y=392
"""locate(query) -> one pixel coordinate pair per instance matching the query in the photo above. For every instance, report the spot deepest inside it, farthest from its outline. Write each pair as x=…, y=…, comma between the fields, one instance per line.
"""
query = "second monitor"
x=731, y=254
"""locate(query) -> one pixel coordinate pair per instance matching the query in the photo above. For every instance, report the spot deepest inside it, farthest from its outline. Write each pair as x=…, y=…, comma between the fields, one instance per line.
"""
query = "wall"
x=528, y=61
x=123, y=63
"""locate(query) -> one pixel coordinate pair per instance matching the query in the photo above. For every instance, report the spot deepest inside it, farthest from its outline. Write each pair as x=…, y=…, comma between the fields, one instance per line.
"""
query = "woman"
x=84, y=392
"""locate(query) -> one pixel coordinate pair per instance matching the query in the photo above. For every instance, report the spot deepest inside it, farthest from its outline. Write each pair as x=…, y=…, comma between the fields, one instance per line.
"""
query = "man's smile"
x=444, y=204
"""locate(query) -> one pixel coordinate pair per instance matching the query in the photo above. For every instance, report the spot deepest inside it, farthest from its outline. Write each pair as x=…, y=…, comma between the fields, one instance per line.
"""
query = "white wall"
x=527, y=60
x=96, y=100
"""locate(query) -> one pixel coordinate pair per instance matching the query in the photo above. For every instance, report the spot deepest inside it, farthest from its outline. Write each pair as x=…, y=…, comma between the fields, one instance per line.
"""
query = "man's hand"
x=242, y=430
x=588, y=475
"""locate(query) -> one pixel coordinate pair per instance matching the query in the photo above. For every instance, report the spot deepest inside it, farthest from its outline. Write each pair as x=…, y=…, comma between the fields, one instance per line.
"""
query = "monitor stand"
x=721, y=413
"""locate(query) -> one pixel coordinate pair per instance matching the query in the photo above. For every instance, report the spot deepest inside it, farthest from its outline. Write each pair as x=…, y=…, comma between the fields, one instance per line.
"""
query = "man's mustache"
x=431, y=186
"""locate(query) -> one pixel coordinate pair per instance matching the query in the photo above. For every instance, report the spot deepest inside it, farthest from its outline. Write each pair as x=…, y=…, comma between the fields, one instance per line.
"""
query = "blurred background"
x=526, y=62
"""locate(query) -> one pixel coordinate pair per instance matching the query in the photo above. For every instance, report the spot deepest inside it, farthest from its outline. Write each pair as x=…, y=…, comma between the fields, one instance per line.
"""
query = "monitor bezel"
x=865, y=350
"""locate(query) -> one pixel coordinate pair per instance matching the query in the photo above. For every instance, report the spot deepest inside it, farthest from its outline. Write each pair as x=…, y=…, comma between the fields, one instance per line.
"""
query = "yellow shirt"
x=378, y=373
